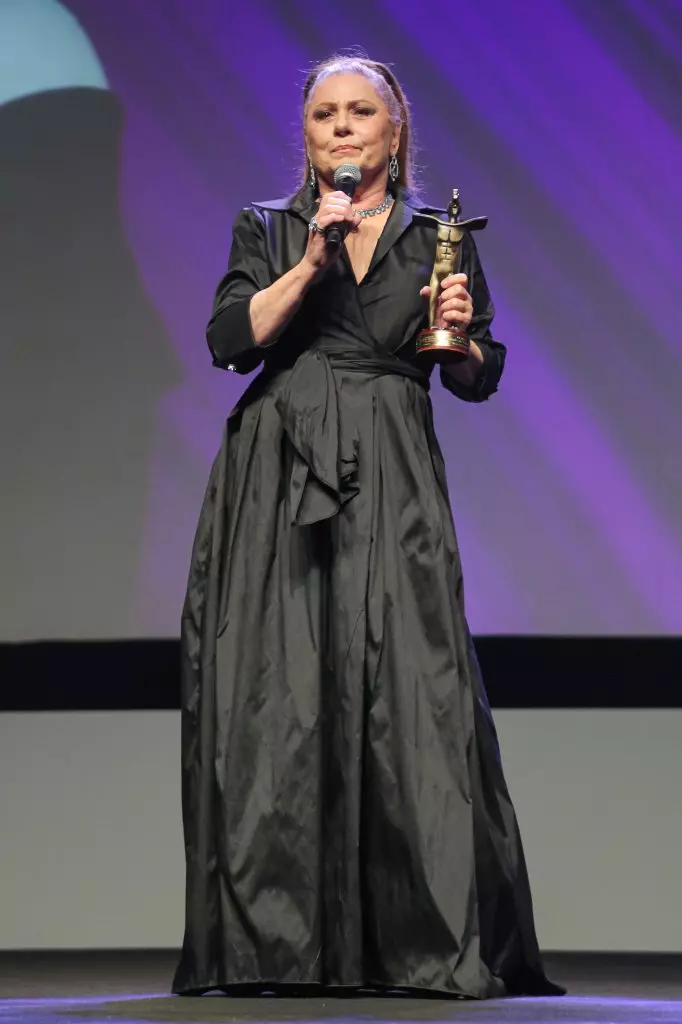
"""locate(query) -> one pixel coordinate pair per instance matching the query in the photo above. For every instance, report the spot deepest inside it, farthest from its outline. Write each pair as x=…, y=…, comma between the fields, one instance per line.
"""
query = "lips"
x=345, y=149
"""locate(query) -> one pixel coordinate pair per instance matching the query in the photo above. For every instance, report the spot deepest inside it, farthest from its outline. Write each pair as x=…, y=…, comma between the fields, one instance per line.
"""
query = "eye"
x=365, y=111
x=321, y=115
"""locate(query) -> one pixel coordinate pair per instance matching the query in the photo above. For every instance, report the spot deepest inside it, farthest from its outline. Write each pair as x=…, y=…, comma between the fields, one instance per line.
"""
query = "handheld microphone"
x=346, y=179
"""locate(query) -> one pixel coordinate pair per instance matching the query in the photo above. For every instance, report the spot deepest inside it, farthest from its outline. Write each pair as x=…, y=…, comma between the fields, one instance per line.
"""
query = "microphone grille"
x=345, y=171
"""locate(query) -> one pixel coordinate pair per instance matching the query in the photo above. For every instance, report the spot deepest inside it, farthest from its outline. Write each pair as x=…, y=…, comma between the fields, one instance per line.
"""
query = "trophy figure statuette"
x=447, y=344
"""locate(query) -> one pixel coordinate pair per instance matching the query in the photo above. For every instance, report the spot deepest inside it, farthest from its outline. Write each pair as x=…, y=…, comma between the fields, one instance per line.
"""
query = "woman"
x=346, y=818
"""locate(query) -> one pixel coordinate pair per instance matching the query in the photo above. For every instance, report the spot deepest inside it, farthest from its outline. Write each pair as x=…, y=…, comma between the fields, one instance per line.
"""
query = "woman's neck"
x=367, y=195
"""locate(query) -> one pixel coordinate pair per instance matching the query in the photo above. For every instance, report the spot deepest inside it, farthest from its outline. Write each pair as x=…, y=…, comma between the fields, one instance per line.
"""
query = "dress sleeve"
x=229, y=334
x=494, y=352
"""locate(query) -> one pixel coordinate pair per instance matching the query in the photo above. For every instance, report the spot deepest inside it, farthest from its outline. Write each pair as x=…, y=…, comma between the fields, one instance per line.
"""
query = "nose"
x=341, y=124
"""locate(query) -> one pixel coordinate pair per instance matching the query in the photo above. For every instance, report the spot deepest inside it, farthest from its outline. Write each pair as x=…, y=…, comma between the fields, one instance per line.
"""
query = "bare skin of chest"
x=360, y=244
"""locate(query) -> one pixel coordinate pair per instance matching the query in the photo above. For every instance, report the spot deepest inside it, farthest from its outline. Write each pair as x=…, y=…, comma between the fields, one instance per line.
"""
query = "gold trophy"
x=447, y=344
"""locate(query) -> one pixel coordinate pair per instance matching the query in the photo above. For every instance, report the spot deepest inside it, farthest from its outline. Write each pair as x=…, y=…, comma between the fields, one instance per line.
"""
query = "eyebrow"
x=351, y=103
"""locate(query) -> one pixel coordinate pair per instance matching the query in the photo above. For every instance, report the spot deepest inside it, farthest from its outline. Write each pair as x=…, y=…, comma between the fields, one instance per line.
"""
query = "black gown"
x=346, y=818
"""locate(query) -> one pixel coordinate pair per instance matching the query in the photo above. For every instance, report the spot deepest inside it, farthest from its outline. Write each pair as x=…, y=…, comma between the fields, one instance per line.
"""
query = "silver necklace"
x=383, y=205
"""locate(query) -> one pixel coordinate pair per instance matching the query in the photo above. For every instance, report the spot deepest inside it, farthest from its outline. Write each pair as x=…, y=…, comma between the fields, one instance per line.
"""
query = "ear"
x=395, y=140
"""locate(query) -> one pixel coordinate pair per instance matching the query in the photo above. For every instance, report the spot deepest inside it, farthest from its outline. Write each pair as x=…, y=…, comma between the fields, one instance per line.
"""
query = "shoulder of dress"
x=427, y=215
x=284, y=203
x=429, y=211
x=417, y=205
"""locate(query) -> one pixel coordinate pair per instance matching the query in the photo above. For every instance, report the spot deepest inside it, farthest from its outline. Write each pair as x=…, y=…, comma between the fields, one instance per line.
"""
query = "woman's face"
x=348, y=122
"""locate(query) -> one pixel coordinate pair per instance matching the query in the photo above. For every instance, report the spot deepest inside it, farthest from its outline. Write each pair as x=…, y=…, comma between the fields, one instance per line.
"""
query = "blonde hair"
x=390, y=90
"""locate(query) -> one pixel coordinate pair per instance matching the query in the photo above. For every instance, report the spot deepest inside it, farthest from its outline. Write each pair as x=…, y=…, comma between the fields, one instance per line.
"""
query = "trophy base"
x=443, y=345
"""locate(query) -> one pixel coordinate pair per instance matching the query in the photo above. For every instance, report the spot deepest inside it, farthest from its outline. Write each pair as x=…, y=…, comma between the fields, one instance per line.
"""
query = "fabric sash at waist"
x=325, y=455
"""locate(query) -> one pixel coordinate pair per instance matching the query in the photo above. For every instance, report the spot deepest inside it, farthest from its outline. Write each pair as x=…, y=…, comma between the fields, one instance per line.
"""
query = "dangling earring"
x=393, y=168
x=312, y=177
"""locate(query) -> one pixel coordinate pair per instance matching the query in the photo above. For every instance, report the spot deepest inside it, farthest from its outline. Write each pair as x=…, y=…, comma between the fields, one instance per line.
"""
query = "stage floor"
x=131, y=986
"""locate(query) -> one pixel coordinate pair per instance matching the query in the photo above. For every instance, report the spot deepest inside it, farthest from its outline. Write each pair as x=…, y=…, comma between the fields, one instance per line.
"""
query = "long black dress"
x=346, y=817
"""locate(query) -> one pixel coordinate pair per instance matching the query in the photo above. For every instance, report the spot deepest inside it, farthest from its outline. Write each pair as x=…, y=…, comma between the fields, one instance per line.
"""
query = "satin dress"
x=346, y=818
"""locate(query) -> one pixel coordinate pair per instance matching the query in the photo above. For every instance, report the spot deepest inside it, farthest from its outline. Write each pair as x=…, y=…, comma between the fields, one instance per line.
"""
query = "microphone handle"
x=335, y=234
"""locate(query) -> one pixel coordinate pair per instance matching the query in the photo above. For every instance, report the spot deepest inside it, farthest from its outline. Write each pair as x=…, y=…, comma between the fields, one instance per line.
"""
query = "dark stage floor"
x=82, y=987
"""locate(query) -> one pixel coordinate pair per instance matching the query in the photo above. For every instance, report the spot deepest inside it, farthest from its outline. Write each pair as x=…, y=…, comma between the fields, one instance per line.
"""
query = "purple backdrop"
x=561, y=121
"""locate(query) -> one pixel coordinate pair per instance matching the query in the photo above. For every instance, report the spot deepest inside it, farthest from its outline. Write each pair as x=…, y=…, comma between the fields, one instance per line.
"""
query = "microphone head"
x=347, y=177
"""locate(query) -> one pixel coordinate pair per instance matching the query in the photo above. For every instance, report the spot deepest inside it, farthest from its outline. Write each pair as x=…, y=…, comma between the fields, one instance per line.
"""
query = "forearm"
x=271, y=309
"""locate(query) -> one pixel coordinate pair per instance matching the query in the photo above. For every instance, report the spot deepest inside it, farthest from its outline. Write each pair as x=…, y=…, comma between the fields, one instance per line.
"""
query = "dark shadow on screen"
x=84, y=362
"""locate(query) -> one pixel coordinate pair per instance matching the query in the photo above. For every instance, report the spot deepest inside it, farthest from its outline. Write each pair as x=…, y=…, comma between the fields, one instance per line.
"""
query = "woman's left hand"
x=455, y=305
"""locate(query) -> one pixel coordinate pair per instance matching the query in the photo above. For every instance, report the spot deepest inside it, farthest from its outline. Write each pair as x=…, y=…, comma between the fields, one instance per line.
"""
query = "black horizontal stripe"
x=519, y=672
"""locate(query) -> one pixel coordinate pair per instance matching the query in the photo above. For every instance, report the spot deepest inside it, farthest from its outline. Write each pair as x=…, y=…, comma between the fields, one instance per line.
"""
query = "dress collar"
x=304, y=201
x=406, y=209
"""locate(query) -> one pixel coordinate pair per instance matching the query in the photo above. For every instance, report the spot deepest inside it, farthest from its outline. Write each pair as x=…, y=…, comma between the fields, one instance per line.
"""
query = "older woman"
x=347, y=821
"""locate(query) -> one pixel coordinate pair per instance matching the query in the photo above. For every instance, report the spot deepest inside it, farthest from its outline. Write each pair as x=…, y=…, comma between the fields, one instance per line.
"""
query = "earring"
x=312, y=177
x=393, y=168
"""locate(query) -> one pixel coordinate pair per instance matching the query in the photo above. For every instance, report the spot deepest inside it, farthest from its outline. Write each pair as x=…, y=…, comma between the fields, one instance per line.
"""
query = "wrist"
x=475, y=357
x=472, y=368
x=308, y=273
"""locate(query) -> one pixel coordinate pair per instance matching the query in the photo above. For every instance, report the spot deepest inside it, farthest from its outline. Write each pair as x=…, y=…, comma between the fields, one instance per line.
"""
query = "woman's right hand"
x=334, y=208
